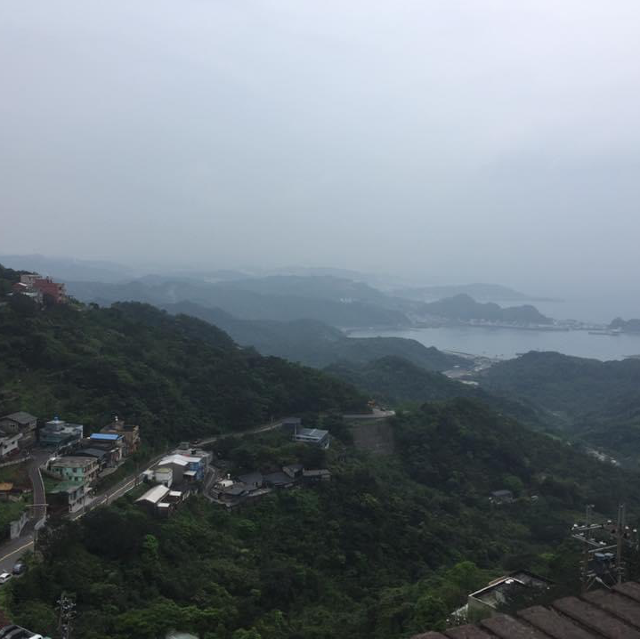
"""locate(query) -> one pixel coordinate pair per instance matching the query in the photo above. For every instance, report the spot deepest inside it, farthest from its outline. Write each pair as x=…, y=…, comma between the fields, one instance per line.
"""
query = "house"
x=187, y=465
x=77, y=469
x=67, y=496
x=293, y=470
x=129, y=432
x=315, y=476
x=291, y=423
x=101, y=456
x=487, y=600
x=160, y=500
x=252, y=480
x=9, y=443
x=50, y=289
x=278, y=480
x=314, y=436
x=29, y=279
x=230, y=492
x=501, y=497
x=111, y=443
x=20, y=422
x=58, y=433
x=11, y=631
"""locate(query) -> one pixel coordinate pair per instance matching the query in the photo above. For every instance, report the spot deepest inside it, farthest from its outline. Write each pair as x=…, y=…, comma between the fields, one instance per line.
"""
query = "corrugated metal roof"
x=154, y=495
x=105, y=437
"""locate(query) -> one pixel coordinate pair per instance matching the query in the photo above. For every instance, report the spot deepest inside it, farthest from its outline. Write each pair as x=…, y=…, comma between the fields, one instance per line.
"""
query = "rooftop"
x=311, y=433
x=155, y=495
x=92, y=452
x=66, y=487
x=599, y=614
x=179, y=459
x=105, y=437
x=21, y=417
x=73, y=462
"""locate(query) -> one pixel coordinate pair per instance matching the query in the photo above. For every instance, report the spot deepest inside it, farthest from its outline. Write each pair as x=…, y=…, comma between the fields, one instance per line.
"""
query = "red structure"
x=52, y=289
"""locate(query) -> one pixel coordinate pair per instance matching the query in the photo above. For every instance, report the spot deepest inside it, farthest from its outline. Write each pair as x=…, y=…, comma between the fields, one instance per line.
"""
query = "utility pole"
x=603, y=546
x=67, y=612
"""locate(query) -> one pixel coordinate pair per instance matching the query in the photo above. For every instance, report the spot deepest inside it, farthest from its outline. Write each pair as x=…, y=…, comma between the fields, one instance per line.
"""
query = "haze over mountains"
x=319, y=294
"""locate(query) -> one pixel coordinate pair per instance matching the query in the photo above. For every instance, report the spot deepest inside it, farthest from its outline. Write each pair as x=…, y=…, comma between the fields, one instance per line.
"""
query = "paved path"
x=11, y=551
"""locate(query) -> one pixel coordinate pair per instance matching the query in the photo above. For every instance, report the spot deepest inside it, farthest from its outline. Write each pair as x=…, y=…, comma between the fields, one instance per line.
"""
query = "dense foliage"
x=316, y=344
x=599, y=401
x=388, y=548
x=176, y=376
x=397, y=381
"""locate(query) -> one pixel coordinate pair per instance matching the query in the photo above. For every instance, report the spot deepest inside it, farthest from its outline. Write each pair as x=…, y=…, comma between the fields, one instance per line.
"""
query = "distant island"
x=478, y=291
x=463, y=308
x=625, y=326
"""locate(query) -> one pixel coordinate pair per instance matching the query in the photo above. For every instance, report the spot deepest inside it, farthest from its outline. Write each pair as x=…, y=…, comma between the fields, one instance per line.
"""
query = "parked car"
x=19, y=568
x=4, y=577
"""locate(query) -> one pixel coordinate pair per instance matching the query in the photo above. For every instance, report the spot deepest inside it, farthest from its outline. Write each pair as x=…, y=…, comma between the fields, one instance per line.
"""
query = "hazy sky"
x=483, y=139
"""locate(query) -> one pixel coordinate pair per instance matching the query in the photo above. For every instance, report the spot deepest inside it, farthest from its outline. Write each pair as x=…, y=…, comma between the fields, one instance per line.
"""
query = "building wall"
x=9, y=445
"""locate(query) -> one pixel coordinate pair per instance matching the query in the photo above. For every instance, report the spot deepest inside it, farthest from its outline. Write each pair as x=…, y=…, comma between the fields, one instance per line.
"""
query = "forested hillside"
x=600, y=401
x=176, y=376
x=317, y=344
x=388, y=548
x=396, y=381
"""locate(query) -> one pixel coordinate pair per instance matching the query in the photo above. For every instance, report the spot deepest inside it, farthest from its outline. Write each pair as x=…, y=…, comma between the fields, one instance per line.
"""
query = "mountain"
x=464, y=308
x=63, y=268
x=397, y=381
x=316, y=287
x=385, y=549
x=480, y=292
x=628, y=326
x=176, y=376
x=239, y=300
x=598, y=401
x=316, y=344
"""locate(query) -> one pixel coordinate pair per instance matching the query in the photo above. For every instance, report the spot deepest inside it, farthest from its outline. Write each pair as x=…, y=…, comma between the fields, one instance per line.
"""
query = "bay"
x=506, y=343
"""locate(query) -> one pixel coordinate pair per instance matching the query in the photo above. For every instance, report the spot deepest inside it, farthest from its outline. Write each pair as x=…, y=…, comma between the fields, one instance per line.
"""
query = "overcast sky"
x=493, y=140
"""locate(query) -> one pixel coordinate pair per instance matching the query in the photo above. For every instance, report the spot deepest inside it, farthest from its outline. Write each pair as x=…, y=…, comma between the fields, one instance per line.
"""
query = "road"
x=11, y=551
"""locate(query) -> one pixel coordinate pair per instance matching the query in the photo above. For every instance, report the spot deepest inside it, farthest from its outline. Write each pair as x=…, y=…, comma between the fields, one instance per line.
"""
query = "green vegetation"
x=596, y=401
x=396, y=381
x=175, y=376
x=388, y=548
x=316, y=344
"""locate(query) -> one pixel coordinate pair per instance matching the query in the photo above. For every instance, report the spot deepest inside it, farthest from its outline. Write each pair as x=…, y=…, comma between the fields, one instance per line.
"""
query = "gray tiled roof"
x=20, y=417
x=600, y=614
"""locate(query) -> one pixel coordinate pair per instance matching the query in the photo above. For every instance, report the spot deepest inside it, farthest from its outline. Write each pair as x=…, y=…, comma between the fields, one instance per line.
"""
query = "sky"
x=477, y=140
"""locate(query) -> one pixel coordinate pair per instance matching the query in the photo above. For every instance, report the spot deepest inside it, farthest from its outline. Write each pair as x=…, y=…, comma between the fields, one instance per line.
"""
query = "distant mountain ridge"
x=464, y=308
x=244, y=301
x=317, y=344
x=627, y=326
x=478, y=291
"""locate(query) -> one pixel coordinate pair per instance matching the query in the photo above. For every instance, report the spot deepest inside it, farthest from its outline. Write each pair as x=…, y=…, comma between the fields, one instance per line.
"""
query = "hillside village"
x=74, y=464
